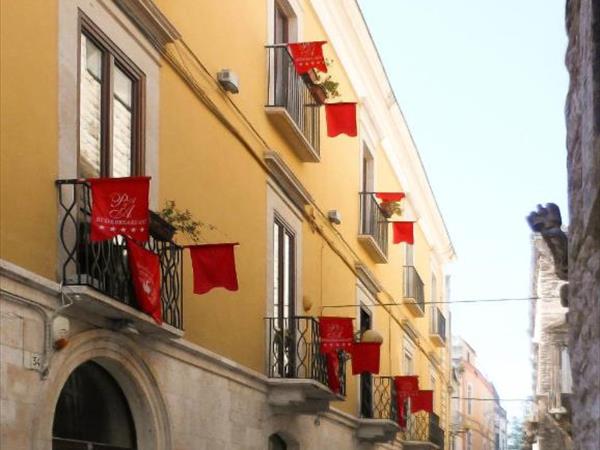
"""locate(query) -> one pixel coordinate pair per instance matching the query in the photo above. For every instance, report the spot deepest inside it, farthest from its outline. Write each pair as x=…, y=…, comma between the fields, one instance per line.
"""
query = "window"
x=366, y=379
x=407, y=364
x=284, y=251
x=92, y=412
x=111, y=92
x=469, y=440
x=432, y=381
x=369, y=205
x=469, y=399
x=409, y=255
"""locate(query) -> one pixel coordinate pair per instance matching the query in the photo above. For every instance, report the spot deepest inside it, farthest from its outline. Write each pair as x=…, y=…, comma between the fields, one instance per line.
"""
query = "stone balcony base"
x=377, y=430
x=100, y=309
x=301, y=396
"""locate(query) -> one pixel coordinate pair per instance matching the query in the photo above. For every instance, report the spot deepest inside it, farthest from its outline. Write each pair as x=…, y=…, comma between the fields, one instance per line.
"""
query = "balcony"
x=297, y=369
x=382, y=423
x=414, y=291
x=98, y=276
x=291, y=106
x=373, y=228
x=422, y=432
x=437, y=327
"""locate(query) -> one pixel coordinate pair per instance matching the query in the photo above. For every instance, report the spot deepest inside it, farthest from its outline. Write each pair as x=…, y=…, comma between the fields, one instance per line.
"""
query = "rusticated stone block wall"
x=583, y=162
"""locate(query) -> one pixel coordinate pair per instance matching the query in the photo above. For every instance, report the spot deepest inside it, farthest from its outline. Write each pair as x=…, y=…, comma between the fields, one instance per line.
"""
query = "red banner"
x=422, y=401
x=390, y=196
x=336, y=334
x=365, y=357
x=333, y=371
x=403, y=232
x=406, y=387
x=145, y=273
x=341, y=118
x=308, y=55
x=213, y=266
x=119, y=206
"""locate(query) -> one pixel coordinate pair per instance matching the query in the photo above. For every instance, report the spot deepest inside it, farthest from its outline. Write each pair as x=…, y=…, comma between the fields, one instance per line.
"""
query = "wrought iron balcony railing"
x=414, y=287
x=373, y=221
x=103, y=265
x=438, y=324
x=294, y=351
x=288, y=90
x=384, y=399
x=423, y=427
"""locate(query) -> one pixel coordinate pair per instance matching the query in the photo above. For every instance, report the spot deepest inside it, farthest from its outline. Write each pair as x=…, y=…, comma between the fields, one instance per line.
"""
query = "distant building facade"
x=478, y=423
x=550, y=421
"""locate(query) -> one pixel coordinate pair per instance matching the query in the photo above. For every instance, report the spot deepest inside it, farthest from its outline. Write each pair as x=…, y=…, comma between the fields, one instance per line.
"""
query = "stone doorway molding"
x=120, y=356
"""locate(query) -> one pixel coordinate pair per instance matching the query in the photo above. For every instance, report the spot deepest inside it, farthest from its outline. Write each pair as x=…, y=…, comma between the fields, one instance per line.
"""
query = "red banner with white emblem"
x=119, y=207
x=406, y=387
x=333, y=372
x=307, y=56
x=145, y=273
x=336, y=334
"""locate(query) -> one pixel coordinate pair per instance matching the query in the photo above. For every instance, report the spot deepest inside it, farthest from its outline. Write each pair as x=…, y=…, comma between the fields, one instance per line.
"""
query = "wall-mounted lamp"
x=334, y=216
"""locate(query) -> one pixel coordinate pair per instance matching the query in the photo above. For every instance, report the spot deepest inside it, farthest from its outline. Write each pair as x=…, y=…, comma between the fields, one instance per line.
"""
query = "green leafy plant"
x=183, y=221
x=390, y=208
x=326, y=82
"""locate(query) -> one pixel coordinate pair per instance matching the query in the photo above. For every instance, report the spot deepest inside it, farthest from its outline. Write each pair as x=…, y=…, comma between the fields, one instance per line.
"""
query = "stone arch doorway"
x=276, y=442
x=122, y=360
x=92, y=413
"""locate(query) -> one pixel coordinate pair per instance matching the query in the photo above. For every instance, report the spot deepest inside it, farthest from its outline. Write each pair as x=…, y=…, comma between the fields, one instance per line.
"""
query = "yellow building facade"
x=130, y=87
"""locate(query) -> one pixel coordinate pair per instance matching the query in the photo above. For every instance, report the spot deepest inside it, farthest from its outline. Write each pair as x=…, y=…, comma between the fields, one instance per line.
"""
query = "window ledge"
x=414, y=307
x=286, y=126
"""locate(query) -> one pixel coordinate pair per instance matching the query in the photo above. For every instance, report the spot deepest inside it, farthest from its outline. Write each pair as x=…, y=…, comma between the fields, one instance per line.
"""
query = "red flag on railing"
x=336, y=334
x=390, y=196
x=308, y=55
x=406, y=387
x=341, y=118
x=333, y=371
x=365, y=357
x=145, y=273
x=403, y=232
x=119, y=206
x=213, y=266
x=422, y=401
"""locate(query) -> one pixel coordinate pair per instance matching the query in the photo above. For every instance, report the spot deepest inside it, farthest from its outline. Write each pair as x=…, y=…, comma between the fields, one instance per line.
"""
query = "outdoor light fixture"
x=229, y=80
x=334, y=216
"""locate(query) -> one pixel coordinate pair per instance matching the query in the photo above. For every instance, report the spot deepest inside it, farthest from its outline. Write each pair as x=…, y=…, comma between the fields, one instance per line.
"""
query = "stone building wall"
x=181, y=395
x=583, y=163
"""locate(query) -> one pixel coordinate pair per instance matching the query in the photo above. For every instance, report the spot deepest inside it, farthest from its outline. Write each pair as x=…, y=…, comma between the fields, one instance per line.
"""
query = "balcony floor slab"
x=377, y=430
x=303, y=396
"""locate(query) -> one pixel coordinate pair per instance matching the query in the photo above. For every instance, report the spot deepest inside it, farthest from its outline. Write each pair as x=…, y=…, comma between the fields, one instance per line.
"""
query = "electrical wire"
x=494, y=399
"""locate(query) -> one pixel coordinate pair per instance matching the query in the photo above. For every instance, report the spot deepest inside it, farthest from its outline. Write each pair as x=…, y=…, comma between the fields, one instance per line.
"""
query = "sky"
x=482, y=85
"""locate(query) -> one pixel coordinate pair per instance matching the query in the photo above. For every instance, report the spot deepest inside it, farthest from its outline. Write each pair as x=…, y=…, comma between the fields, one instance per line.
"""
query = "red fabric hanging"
x=333, y=371
x=145, y=273
x=213, y=266
x=406, y=386
x=422, y=401
x=341, y=118
x=365, y=357
x=390, y=196
x=307, y=56
x=404, y=232
x=336, y=333
x=119, y=206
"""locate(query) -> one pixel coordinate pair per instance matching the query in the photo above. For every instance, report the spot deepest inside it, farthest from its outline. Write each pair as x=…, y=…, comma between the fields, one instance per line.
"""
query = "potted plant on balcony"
x=389, y=208
x=171, y=220
x=321, y=86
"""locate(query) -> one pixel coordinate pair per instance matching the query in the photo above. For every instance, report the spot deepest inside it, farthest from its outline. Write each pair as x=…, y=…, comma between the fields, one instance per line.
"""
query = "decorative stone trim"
x=368, y=279
x=150, y=20
x=286, y=179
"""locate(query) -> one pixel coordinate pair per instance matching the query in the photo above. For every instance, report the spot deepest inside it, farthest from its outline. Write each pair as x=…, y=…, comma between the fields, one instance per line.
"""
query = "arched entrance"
x=276, y=442
x=92, y=413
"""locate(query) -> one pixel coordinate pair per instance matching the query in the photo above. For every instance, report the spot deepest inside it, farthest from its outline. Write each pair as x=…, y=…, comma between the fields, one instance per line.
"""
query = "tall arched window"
x=92, y=413
x=277, y=443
